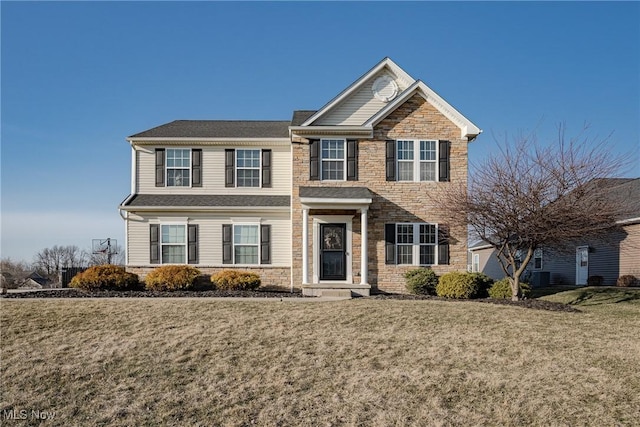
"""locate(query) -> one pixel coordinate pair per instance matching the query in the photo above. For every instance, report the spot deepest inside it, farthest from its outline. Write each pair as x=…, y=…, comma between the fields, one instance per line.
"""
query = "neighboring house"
x=336, y=198
x=611, y=256
x=35, y=281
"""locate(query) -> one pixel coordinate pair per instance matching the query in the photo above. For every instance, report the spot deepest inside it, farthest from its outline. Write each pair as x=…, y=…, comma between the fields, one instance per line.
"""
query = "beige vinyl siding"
x=213, y=172
x=359, y=106
x=630, y=251
x=210, y=235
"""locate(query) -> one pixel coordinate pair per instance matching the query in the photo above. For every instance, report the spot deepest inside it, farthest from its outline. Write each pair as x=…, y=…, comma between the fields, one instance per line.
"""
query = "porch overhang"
x=358, y=198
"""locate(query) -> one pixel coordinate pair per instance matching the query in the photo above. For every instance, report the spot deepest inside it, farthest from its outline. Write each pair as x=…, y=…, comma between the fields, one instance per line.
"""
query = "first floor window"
x=174, y=244
x=537, y=259
x=475, y=263
x=333, y=159
x=416, y=244
x=178, y=167
x=248, y=168
x=245, y=244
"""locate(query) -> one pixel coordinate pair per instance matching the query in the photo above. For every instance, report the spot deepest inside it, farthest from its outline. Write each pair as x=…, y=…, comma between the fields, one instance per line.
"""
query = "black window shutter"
x=227, y=244
x=352, y=160
x=390, y=244
x=443, y=161
x=266, y=168
x=193, y=244
x=314, y=154
x=265, y=244
x=391, y=159
x=229, y=167
x=159, y=167
x=154, y=243
x=443, y=244
x=196, y=167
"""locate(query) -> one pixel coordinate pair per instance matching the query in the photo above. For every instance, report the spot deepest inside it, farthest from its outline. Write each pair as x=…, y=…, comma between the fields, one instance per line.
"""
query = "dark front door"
x=333, y=258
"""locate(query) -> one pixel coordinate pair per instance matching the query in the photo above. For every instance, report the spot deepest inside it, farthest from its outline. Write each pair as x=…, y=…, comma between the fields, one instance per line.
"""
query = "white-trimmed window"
x=248, y=168
x=333, y=159
x=173, y=241
x=537, y=259
x=178, y=167
x=475, y=263
x=416, y=244
x=417, y=160
x=245, y=243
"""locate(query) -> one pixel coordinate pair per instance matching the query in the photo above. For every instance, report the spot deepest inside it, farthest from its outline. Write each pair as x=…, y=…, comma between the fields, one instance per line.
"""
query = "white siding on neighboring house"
x=210, y=235
x=359, y=106
x=213, y=170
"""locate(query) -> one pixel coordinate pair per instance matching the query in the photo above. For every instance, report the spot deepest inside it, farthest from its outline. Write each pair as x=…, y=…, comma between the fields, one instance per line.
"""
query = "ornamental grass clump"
x=627, y=280
x=105, y=277
x=171, y=278
x=421, y=281
x=458, y=285
x=235, y=280
x=502, y=289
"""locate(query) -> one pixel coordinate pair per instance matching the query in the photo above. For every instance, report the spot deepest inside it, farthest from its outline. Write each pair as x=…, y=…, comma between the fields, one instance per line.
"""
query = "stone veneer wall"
x=392, y=201
x=276, y=277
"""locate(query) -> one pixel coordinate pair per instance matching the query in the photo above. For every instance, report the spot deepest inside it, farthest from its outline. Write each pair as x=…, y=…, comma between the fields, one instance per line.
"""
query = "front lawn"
x=177, y=362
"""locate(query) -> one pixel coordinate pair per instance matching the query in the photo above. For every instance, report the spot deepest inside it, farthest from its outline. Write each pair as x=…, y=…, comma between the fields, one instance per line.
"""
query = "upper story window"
x=333, y=159
x=248, y=168
x=537, y=259
x=416, y=160
x=178, y=167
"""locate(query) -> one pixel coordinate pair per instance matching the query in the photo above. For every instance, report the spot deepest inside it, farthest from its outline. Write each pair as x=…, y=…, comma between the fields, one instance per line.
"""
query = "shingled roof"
x=301, y=116
x=219, y=129
x=206, y=200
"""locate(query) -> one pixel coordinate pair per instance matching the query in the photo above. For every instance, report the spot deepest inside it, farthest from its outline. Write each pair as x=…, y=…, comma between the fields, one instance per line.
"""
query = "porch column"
x=305, y=245
x=364, y=253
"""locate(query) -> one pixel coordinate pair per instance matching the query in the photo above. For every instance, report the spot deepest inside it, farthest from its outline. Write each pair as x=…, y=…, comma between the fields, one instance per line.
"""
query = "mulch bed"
x=76, y=293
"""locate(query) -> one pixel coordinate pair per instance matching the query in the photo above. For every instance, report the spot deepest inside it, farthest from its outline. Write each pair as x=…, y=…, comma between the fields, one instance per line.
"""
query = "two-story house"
x=338, y=198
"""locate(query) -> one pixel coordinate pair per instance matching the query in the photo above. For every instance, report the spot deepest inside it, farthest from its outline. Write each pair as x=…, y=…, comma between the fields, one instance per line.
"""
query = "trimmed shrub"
x=484, y=283
x=235, y=280
x=421, y=281
x=595, y=280
x=627, y=280
x=502, y=289
x=458, y=285
x=105, y=277
x=171, y=278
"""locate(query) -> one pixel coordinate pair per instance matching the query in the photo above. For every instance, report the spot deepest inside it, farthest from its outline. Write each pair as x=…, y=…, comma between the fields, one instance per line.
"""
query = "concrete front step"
x=336, y=289
x=335, y=293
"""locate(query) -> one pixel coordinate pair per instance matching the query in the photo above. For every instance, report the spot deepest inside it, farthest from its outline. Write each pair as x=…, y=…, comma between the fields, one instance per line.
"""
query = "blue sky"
x=79, y=77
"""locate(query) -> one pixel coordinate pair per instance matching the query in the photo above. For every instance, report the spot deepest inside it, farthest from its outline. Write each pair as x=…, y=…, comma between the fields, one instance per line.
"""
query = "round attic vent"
x=384, y=88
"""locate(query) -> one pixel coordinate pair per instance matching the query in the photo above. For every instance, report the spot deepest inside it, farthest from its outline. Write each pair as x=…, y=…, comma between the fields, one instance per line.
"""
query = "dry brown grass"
x=360, y=362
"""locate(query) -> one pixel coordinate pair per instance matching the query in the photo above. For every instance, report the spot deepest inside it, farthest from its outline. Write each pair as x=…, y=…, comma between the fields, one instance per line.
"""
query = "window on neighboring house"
x=174, y=244
x=475, y=263
x=415, y=244
x=248, y=168
x=178, y=167
x=417, y=160
x=537, y=259
x=245, y=244
x=333, y=159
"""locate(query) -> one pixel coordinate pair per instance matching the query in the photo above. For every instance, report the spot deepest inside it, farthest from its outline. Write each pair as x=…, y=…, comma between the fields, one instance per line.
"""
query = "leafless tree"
x=12, y=273
x=50, y=261
x=532, y=195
